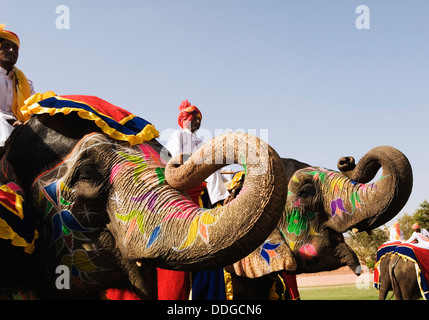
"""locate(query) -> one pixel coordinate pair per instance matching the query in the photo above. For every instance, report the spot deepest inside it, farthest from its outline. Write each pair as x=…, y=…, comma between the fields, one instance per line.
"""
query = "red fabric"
x=185, y=115
x=102, y=106
x=173, y=285
x=291, y=285
x=196, y=192
x=9, y=200
x=422, y=255
x=121, y=294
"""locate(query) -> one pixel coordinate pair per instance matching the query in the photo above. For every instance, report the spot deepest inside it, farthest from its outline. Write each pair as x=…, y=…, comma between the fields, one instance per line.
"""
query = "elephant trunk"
x=347, y=256
x=200, y=238
x=369, y=205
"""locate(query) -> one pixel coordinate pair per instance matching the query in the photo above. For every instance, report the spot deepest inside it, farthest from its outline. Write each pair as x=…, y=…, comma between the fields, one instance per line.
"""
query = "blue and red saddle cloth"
x=418, y=255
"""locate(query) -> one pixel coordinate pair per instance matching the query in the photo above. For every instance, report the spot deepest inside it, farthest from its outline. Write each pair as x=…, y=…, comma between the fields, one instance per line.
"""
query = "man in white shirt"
x=15, y=88
x=206, y=284
x=185, y=140
x=396, y=233
x=420, y=235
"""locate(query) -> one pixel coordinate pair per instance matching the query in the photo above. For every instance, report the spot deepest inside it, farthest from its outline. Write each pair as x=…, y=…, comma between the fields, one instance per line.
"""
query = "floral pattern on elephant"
x=179, y=209
x=66, y=229
x=268, y=251
x=301, y=219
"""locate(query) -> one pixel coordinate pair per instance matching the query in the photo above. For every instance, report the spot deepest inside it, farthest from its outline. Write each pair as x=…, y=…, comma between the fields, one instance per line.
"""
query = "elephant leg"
x=408, y=280
x=383, y=292
x=404, y=279
x=393, y=274
x=385, y=282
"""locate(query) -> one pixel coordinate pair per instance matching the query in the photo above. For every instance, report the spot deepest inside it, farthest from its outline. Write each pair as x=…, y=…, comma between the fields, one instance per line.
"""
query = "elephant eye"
x=89, y=171
x=307, y=190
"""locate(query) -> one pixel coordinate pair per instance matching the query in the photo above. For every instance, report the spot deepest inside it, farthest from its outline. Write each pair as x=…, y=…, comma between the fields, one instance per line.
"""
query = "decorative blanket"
x=16, y=224
x=113, y=120
x=420, y=257
x=382, y=251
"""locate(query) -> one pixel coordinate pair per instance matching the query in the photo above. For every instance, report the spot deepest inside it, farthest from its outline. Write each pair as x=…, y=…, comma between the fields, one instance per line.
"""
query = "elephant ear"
x=271, y=256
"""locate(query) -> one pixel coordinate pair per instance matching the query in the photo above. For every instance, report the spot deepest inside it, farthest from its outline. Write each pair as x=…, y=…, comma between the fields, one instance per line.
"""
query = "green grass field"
x=346, y=292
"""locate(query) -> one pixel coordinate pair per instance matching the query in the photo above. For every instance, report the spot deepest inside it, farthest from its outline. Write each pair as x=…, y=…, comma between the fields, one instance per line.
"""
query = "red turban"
x=415, y=226
x=187, y=112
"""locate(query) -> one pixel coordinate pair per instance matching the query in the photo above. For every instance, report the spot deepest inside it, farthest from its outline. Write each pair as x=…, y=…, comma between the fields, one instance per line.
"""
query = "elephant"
x=321, y=205
x=110, y=212
x=398, y=270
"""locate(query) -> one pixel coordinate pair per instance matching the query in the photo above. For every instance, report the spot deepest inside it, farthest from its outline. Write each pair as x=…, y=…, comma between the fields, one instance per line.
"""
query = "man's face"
x=196, y=122
x=8, y=54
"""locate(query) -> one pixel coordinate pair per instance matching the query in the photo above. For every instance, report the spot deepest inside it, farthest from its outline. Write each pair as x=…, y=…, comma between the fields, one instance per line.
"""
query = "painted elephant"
x=105, y=209
x=399, y=270
x=321, y=205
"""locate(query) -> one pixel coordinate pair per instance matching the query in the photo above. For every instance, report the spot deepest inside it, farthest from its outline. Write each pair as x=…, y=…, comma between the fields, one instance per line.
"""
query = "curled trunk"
x=384, y=198
x=247, y=221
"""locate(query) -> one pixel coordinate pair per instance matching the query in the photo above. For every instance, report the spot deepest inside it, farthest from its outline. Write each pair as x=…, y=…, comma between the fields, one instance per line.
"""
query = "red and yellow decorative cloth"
x=9, y=35
x=116, y=122
x=16, y=223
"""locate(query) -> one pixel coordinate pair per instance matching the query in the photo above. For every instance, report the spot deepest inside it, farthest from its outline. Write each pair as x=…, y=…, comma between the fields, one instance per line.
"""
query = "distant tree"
x=365, y=245
x=422, y=215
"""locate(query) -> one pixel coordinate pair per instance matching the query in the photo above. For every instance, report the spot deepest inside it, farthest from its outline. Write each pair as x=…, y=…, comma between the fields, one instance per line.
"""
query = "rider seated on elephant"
x=15, y=88
x=207, y=284
x=420, y=235
x=184, y=140
x=396, y=233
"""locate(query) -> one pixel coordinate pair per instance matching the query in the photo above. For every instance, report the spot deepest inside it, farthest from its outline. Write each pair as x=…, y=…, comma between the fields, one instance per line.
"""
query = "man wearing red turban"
x=206, y=284
x=420, y=235
x=188, y=113
x=15, y=88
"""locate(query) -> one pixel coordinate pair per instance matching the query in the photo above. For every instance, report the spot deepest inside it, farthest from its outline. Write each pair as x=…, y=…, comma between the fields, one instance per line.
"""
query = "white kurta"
x=6, y=103
x=422, y=238
x=184, y=141
x=394, y=235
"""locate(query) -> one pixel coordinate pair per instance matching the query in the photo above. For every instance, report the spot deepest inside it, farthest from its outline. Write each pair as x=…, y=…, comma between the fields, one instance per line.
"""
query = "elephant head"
x=322, y=204
x=105, y=211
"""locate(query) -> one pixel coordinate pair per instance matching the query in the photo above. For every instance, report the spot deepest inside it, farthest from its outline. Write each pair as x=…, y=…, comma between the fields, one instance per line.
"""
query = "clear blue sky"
x=300, y=69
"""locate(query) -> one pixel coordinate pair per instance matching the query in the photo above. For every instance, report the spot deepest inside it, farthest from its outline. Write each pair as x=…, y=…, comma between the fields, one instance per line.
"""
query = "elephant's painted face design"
x=130, y=180
x=316, y=195
x=65, y=220
x=148, y=168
